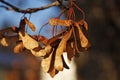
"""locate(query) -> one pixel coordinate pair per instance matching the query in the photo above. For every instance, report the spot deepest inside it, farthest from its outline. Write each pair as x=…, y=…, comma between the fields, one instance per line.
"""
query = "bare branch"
x=28, y=10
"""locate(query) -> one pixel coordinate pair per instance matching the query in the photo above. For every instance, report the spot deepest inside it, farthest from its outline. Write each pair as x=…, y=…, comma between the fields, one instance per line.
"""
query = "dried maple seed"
x=39, y=53
x=42, y=52
x=60, y=49
x=43, y=39
x=73, y=39
x=28, y=41
x=4, y=42
x=31, y=25
x=83, y=39
x=46, y=62
x=83, y=23
x=76, y=43
x=59, y=22
x=69, y=50
x=53, y=72
x=19, y=48
x=37, y=48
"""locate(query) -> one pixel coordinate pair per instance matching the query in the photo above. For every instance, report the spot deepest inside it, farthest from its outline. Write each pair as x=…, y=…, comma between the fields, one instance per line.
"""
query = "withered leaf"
x=53, y=72
x=83, y=23
x=48, y=49
x=28, y=42
x=38, y=53
x=37, y=48
x=31, y=25
x=42, y=52
x=4, y=42
x=69, y=50
x=19, y=48
x=43, y=39
x=83, y=40
x=61, y=48
x=59, y=22
x=54, y=38
x=76, y=50
x=76, y=43
x=58, y=59
x=46, y=62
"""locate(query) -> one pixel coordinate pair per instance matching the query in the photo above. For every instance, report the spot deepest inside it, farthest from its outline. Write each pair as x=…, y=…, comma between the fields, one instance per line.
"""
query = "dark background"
x=103, y=60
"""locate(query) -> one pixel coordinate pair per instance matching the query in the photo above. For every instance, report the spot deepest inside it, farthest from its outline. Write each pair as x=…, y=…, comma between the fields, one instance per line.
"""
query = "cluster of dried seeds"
x=72, y=40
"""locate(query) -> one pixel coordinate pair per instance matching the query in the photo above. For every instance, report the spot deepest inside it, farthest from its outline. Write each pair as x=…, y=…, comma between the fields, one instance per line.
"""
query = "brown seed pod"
x=31, y=25
x=59, y=22
x=19, y=48
x=28, y=41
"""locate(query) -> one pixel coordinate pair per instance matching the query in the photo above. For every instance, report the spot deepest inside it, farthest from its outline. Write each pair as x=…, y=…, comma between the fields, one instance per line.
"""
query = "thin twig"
x=28, y=10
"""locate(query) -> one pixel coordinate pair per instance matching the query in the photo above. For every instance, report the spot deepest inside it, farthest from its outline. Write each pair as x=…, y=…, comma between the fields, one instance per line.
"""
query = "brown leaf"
x=31, y=25
x=4, y=42
x=19, y=48
x=43, y=39
x=76, y=50
x=39, y=53
x=53, y=72
x=69, y=50
x=77, y=44
x=54, y=38
x=83, y=23
x=46, y=62
x=37, y=48
x=61, y=48
x=59, y=22
x=83, y=40
x=42, y=52
x=48, y=49
x=28, y=42
x=55, y=43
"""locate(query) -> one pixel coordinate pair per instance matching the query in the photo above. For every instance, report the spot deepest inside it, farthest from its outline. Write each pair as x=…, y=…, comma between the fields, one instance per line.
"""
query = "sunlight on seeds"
x=28, y=42
x=68, y=35
x=61, y=48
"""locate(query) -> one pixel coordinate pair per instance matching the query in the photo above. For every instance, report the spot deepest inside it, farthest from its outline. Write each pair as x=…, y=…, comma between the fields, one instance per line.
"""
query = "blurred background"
x=101, y=62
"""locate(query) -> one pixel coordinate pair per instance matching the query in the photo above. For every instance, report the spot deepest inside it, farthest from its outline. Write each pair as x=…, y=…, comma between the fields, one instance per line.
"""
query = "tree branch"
x=28, y=10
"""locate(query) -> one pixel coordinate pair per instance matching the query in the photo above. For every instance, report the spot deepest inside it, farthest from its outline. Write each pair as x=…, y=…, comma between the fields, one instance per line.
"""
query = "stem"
x=28, y=10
